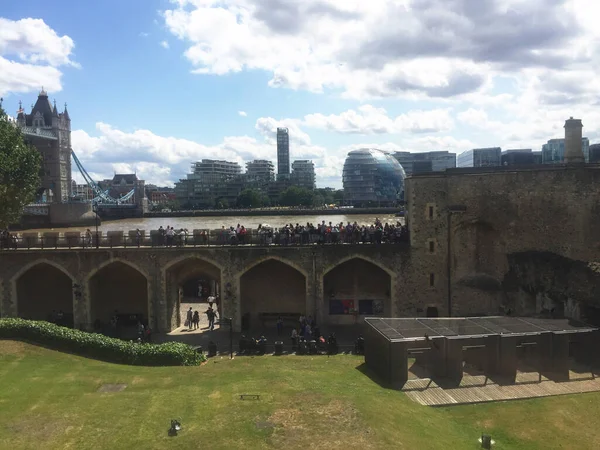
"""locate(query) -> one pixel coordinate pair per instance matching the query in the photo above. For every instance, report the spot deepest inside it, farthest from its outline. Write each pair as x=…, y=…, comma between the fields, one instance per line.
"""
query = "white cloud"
x=382, y=48
x=143, y=34
x=243, y=113
x=371, y=120
x=30, y=56
x=164, y=44
x=164, y=160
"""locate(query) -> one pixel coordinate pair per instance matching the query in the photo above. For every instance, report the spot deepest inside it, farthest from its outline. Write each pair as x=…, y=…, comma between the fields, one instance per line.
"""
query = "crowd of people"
x=7, y=239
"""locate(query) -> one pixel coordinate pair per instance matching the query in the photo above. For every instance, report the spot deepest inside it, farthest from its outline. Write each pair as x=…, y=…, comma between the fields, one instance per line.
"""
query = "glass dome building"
x=372, y=177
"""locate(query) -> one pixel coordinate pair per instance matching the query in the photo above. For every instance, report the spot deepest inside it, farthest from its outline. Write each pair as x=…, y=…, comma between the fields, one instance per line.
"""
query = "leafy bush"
x=99, y=346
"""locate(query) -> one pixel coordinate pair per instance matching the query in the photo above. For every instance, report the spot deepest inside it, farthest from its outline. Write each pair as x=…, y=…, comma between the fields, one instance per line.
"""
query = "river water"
x=216, y=222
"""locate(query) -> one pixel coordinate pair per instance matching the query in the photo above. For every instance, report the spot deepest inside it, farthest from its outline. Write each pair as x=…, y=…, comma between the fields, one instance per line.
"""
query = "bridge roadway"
x=325, y=281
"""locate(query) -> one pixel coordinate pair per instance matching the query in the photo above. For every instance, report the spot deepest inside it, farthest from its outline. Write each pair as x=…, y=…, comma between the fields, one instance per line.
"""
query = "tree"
x=296, y=196
x=252, y=198
x=221, y=203
x=20, y=166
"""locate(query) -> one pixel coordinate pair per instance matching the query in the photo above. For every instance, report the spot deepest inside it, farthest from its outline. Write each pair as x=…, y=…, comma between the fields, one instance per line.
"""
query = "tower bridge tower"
x=49, y=131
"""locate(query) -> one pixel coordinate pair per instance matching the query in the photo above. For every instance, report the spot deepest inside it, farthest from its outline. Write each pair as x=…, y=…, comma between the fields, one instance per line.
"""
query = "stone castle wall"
x=507, y=212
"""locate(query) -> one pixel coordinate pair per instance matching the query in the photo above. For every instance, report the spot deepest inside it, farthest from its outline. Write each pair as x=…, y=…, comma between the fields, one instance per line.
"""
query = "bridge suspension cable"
x=100, y=196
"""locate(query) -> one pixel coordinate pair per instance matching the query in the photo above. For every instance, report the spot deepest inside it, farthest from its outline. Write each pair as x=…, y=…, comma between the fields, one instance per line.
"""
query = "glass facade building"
x=553, y=152
x=479, y=157
x=372, y=177
x=425, y=161
x=283, y=153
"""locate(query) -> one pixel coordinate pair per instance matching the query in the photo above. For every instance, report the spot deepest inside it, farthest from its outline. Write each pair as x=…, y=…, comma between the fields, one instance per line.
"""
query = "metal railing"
x=207, y=238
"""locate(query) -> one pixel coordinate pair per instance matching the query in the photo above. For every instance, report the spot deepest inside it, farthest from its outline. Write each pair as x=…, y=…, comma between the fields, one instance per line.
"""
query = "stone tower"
x=50, y=132
x=573, y=136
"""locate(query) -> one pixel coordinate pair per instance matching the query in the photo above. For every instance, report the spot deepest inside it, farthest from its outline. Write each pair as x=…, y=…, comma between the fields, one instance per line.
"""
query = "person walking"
x=279, y=326
x=196, y=320
x=189, y=318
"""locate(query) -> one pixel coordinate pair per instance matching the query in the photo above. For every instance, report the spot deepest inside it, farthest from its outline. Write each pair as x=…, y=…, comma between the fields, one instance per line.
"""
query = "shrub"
x=99, y=346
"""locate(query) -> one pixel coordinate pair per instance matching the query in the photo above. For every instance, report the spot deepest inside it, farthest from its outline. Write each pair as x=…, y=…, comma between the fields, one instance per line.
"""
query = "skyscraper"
x=303, y=174
x=283, y=153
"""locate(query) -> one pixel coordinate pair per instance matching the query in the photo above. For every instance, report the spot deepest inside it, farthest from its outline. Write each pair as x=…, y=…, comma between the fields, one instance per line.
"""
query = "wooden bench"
x=250, y=396
x=287, y=317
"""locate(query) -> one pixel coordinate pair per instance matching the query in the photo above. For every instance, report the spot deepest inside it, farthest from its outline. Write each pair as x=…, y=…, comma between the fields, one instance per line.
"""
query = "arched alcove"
x=359, y=286
x=272, y=286
x=44, y=292
x=118, y=287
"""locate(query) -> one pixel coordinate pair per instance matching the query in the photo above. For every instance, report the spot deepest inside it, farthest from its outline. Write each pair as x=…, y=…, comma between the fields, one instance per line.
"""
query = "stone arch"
x=287, y=262
x=178, y=273
x=45, y=293
x=329, y=268
x=288, y=288
x=129, y=292
x=357, y=284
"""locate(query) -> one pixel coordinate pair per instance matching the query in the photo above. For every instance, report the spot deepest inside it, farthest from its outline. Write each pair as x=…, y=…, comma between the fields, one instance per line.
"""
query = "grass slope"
x=49, y=400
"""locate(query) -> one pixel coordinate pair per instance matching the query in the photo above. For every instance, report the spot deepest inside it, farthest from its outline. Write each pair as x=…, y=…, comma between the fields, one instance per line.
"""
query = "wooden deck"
x=479, y=389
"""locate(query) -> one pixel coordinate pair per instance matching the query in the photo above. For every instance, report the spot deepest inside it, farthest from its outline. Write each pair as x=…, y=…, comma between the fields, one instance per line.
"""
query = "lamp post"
x=452, y=209
x=95, y=209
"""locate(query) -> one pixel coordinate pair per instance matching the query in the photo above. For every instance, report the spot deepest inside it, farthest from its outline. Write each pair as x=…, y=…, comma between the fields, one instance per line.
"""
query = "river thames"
x=210, y=223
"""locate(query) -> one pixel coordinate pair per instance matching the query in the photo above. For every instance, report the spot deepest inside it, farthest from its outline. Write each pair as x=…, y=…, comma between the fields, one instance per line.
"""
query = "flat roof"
x=411, y=329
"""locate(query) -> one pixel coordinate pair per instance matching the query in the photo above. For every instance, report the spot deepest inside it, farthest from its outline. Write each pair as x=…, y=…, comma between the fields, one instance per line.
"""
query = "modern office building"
x=479, y=157
x=260, y=171
x=426, y=161
x=517, y=157
x=372, y=177
x=553, y=152
x=594, y=153
x=303, y=174
x=283, y=153
x=537, y=157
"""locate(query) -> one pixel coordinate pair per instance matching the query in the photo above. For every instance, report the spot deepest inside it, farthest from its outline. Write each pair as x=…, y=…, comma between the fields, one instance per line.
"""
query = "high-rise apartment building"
x=479, y=157
x=210, y=181
x=283, y=153
x=260, y=171
x=303, y=174
x=425, y=161
x=553, y=152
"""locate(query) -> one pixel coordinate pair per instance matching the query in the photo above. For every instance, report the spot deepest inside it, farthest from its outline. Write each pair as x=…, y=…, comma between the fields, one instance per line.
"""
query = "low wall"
x=275, y=212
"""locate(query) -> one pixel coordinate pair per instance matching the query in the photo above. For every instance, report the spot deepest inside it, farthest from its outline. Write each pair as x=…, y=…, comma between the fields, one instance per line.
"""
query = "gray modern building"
x=372, y=177
x=426, y=161
x=553, y=152
x=517, y=157
x=303, y=174
x=595, y=153
x=480, y=157
x=283, y=153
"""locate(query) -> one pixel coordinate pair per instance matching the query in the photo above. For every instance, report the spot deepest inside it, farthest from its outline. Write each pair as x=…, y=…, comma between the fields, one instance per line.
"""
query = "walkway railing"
x=199, y=238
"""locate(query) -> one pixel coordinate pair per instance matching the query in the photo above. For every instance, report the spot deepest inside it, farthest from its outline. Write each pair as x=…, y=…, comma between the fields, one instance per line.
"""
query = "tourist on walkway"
x=189, y=318
x=196, y=320
x=279, y=325
x=211, y=314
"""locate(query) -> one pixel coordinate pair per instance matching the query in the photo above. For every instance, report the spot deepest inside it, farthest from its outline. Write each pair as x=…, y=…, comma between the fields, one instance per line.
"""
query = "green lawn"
x=48, y=400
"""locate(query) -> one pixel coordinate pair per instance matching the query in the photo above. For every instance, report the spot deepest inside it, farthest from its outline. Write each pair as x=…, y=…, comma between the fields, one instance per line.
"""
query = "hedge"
x=99, y=346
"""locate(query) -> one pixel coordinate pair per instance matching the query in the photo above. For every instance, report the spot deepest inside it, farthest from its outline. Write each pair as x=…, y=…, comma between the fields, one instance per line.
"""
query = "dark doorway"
x=431, y=311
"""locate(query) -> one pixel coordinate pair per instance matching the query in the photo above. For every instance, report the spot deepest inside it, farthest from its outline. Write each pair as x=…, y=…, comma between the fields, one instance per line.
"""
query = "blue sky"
x=153, y=85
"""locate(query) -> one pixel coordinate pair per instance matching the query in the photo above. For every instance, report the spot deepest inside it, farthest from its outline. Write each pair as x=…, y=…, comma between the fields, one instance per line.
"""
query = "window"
x=431, y=212
x=431, y=279
x=431, y=246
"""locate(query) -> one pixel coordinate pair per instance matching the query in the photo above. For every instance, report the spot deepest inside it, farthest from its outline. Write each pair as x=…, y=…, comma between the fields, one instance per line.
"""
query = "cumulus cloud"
x=164, y=160
x=31, y=54
x=164, y=44
x=242, y=113
x=381, y=48
x=371, y=120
